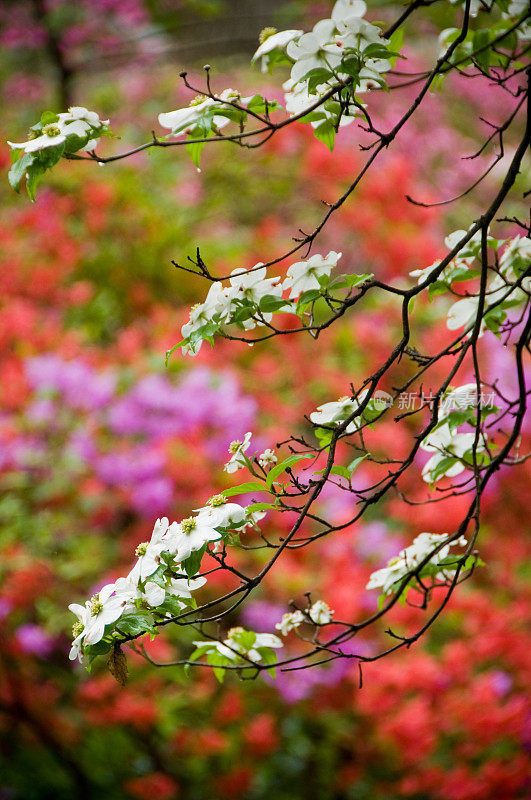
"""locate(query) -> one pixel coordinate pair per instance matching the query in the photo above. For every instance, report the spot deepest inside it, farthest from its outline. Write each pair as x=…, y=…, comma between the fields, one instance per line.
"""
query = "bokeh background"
x=98, y=437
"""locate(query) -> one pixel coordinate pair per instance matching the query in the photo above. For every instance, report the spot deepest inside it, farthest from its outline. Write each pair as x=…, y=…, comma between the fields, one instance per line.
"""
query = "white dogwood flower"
x=448, y=444
x=343, y=9
x=182, y=120
x=267, y=458
x=410, y=557
x=277, y=40
x=191, y=534
x=315, y=50
x=355, y=33
x=237, y=449
x=104, y=608
x=77, y=121
x=253, y=284
x=289, y=622
x=303, y=275
x=321, y=613
x=337, y=411
x=222, y=514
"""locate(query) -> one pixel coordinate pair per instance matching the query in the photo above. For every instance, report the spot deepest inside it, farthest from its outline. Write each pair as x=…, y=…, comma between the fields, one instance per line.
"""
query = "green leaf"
x=326, y=133
x=34, y=176
x=192, y=564
x=261, y=507
x=18, y=170
x=244, y=488
x=436, y=288
x=284, y=465
x=199, y=652
x=217, y=661
x=315, y=78
x=355, y=280
x=396, y=42
x=194, y=150
x=171, y=605
x=134, y=624
x=441, y=468
x=268, y=656
x=259, y=105
x=246, y=639
x=48, y=117
x=355, y=463
x=98, y=649
x=269, y=303
x=306, y=298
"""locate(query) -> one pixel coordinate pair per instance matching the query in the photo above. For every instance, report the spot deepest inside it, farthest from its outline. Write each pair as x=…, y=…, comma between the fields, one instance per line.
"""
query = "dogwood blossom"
x=304, y=275
x=410, y=557
x=321, y=613
x=254, y=284
x=182, y=120
x=289, y=622
x=267, y=458
x=218, y=303
x=103, y=608
x=77, y=121
x=343, y=9
x=298, y=99
x=355, y=33
x=448, y=445
x=191, y=534
x=271, y=39
x=237, y=449
x=315, y=50
x=337, y=411
x=162, y=539
x=235, y=645
x=460, y=397
x=222, y=514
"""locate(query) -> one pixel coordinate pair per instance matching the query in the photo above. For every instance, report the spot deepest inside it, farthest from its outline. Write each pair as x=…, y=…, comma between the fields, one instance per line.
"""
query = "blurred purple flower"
x=34, y=641
x=262, y=616
x=153, y=498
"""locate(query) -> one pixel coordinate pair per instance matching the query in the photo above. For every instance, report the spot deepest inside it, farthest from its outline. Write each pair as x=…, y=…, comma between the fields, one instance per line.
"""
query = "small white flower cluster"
x=345, y=35
x=320, y=613
x=512, y=262
x=337, y=411
x=448, y=445
x=237, y=450
x=241, y=642
x=202, y=108
x=158, y=582
x=267, y=458
x=239, y=302
x=409, y=559
x=77, y=121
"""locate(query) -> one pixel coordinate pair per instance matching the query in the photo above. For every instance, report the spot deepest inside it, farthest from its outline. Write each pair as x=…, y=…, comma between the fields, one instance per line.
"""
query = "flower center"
x=235, y=446
x=96, y=606
x=197, y=100
x=217, y=500
x=188, y=525
x=266, y=33
x=51, y=130
x=141, y=550
x=344, y=399
x=77, y=628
